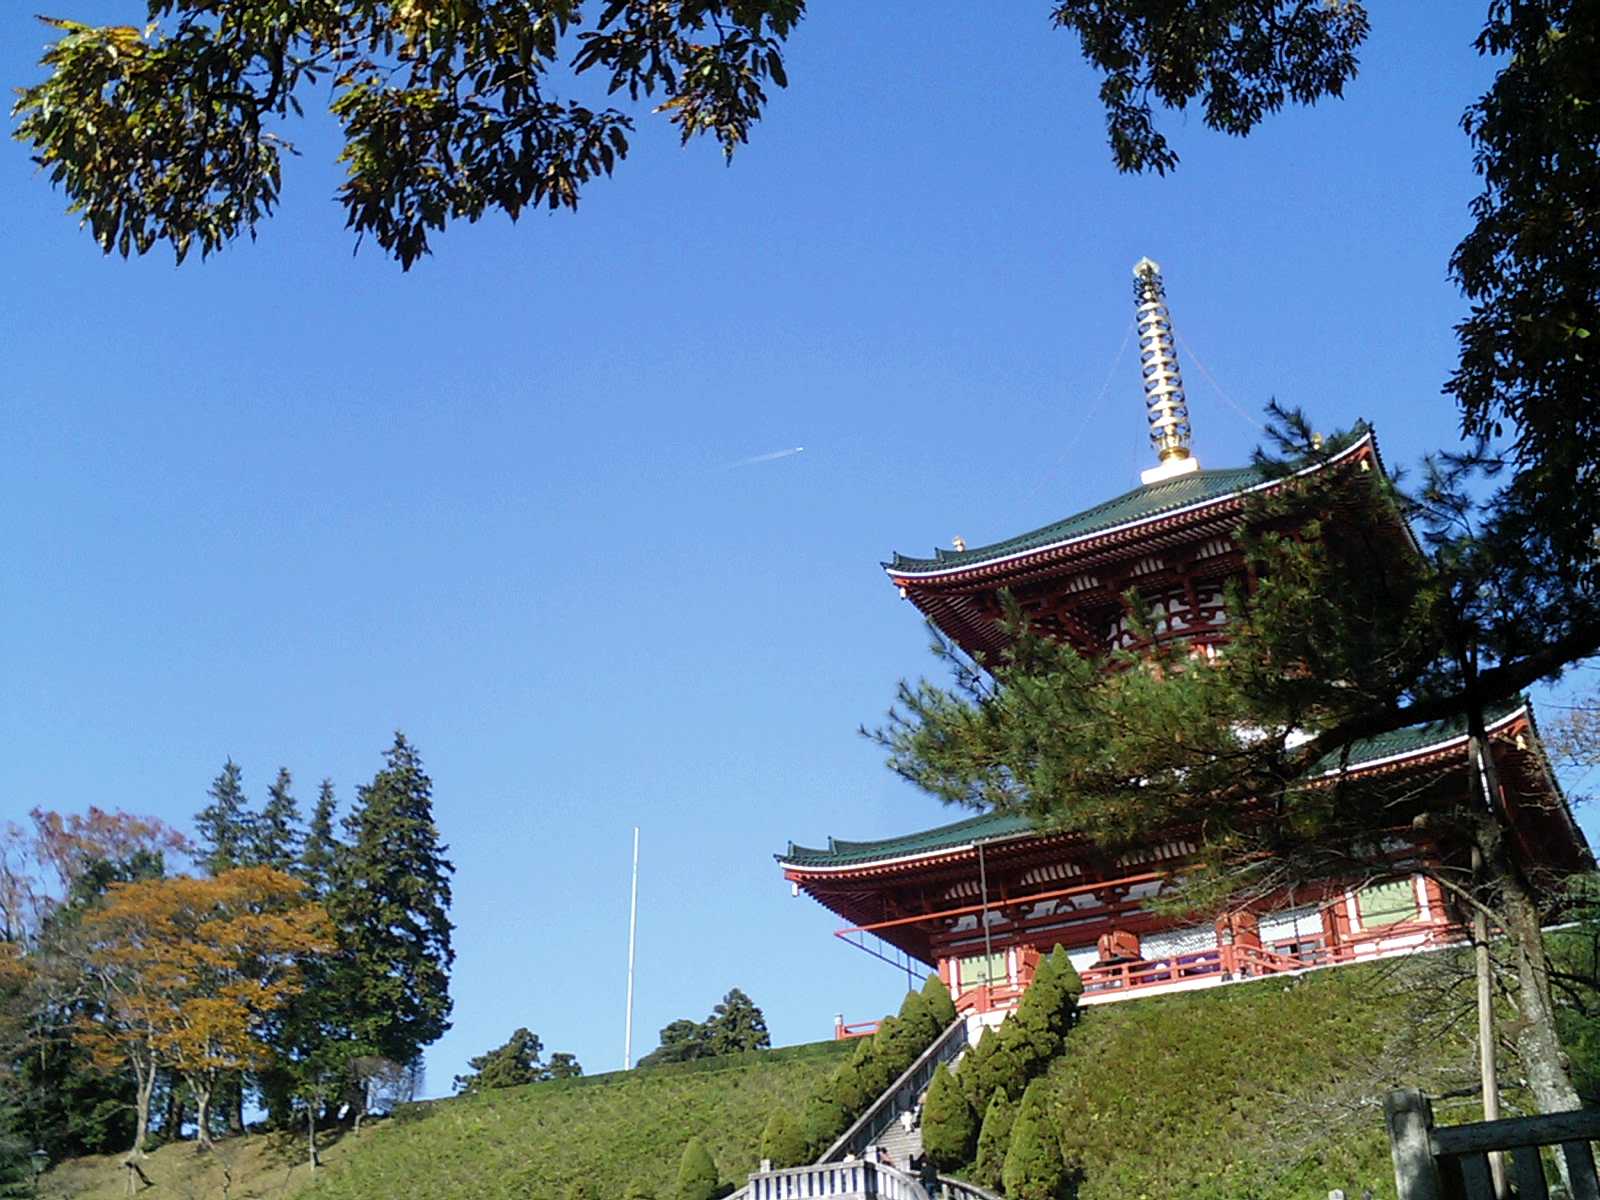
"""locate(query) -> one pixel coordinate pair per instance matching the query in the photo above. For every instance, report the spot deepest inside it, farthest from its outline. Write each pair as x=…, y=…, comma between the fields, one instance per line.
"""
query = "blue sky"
x=281, y=503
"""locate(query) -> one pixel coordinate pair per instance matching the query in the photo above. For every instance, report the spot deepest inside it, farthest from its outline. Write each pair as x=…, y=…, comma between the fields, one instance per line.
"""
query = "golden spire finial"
x=1165, y=404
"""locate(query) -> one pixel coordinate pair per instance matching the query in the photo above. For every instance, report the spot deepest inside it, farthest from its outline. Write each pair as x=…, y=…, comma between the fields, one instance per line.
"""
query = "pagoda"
x=980, y=900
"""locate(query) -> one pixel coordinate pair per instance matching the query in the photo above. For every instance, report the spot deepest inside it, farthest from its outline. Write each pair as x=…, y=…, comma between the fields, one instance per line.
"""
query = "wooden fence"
x=1451, y=1162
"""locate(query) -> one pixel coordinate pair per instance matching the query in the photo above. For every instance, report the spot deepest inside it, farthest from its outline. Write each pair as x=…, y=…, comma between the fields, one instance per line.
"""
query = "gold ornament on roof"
x=1166, y=406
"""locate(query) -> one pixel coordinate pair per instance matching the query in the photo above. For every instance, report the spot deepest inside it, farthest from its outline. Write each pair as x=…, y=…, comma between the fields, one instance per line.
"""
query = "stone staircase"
x=899, y=1144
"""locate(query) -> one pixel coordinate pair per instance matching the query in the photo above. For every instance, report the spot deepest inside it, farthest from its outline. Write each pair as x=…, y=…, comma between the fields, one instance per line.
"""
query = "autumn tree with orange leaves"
x=190, y=971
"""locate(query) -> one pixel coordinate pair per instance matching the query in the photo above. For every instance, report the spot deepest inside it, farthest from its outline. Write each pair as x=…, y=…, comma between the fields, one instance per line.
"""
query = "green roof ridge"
x=995, y=825
x=1140, y=503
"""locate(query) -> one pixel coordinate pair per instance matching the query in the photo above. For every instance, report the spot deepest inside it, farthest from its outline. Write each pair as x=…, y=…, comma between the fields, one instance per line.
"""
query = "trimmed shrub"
x=697, y=1173
x=822, y=1120
x=783, y=1141
x=948, y=1126
x=917, y=1023
x=1034, y=1169
x=994, y=1139
x=975, y=1067
x=940, y=1007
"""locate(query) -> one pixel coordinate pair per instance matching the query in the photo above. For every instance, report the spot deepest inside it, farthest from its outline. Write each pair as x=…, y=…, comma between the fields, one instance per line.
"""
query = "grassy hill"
x=1262, y=1091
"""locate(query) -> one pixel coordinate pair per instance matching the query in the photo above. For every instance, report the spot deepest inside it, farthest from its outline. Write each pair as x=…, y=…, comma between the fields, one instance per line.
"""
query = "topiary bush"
x=697, y=1173
x=940, y=1006
x=1034, y=1169
x=783, y=1141
x=918, y=1025
x=994, y=1139
x=948, y=1126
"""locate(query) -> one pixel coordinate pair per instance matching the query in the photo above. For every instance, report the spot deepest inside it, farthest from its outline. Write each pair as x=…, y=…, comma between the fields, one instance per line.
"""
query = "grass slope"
x=609, y=1130
x=1256, y=1091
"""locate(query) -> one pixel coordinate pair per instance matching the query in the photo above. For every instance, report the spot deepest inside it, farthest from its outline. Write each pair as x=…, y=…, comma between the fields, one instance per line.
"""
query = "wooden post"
x=1409, y=1118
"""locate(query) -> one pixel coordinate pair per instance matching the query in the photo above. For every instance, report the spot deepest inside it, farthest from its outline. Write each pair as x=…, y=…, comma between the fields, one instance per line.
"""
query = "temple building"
x=980, y=900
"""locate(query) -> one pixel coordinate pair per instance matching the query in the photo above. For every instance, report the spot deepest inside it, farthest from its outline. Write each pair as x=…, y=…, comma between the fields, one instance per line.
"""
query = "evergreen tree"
x=822, y=1120
x=225, y=826
x=276, y=833
x=563, y=1066
x=735, y=1025
x=1034, y=1169
x=782, y=1141
x=920, y=1027
x=940, y=1006
x=391, y=901
x=994, y=1138
x=697, y=1173
x=514, y=1064
x=16, y=1165
x=681, y=1041
x=319, y=854
x=948, y=1126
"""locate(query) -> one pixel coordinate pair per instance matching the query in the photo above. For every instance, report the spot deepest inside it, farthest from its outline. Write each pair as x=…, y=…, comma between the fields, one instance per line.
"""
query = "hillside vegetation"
x=1260, y=1091
x=611, y=1131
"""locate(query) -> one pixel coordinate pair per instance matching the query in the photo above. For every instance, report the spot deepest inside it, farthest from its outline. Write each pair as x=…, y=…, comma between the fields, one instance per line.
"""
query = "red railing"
x=860, y=1029
x=1218, y=964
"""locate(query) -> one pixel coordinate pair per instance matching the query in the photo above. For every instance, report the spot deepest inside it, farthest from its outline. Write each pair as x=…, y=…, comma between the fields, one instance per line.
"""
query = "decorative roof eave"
x=1363, y=446
x=1420, y=756
x=943, y=856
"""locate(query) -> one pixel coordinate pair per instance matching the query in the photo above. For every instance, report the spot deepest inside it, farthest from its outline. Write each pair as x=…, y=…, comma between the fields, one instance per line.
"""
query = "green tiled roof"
x=1139, y=504
x=996, y=826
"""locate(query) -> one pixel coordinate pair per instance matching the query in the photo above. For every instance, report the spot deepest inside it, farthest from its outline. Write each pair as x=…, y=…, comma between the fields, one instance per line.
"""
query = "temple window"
x=1383, y=904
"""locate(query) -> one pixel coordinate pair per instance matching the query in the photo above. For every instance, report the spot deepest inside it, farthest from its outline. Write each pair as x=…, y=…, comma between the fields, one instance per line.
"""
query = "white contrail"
x=762, y=458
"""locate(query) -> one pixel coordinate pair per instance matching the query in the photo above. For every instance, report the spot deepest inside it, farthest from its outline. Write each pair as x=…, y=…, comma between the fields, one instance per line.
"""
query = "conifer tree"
x=920, y=1026
x=735, y=1025
x=276, y=834
x=514, y=1064
x=1034, y=1169
x=823, y=1119
x=697, y=1173
x=225, y=826
x=948, y=1125
x=319, y=853
x=940, y=1006
x=391, y=902
x=16, y=1168
x=782, y=1141
x=994, y=1138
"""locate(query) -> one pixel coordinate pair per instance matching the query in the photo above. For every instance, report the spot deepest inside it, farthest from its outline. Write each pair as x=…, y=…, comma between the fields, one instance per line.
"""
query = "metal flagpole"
x=633, y=925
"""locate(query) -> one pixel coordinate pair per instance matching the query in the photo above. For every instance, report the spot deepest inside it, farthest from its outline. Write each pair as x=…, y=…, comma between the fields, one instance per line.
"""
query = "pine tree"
x=563, y=1066
x=735, y=1025
x=276, y=834
x=994, y=1138
x=319, y=854
x=16, y=1167
x=948, y=1126
x=391, y=900
x=225, y=826
x=940, y=1006
x=1034, y=1169
x=514, y=1064
x=782, y=1141
x=697, y=1173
